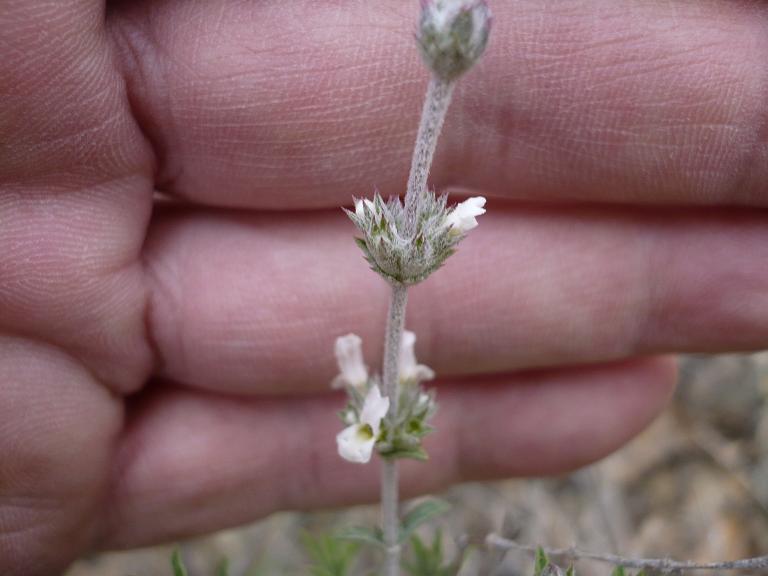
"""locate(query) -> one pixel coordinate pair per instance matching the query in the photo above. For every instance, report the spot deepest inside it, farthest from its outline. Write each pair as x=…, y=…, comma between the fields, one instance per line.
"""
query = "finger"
x=252, y=303
x=304, y=104
x=75, y=189
x=57, y=432
x=261, y=455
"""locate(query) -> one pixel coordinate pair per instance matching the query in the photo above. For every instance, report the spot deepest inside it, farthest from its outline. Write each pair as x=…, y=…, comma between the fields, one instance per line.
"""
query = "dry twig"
x=665, y=565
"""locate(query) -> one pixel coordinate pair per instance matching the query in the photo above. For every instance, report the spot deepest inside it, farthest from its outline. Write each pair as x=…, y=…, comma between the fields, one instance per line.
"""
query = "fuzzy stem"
x=389, y=480
x=433, y=113
x=389, y=516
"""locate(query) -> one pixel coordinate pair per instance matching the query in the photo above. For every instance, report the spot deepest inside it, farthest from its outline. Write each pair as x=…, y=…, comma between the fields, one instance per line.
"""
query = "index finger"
x=303, y=104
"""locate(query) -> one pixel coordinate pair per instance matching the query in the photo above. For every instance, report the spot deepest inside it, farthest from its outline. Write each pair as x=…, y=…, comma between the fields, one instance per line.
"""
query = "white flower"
x=349, y=356
x=356, y=442
x=462, y=218
x=410, y=370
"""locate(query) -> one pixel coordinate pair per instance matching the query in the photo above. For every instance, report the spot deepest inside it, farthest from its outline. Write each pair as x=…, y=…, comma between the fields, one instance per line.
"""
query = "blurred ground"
x=694, y=486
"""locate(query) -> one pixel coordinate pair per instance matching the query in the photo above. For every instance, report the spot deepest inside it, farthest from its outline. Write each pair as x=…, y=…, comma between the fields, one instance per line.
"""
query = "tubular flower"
x=462, y=218
x=349, y=356
x=356, y=442
x=410, y=369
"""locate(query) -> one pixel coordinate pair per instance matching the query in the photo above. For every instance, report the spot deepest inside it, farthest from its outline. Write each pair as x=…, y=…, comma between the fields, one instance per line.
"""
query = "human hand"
x=165, y=365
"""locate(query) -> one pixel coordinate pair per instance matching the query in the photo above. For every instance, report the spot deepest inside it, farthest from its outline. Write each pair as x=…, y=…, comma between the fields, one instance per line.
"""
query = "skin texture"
x=174, y=267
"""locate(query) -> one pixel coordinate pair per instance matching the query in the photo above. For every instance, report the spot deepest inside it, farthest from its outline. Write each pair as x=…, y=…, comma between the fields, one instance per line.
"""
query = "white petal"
x=375, y=407
x=462, y=218
x=409, y=369
x=354, y=445
x=349, y=355
x=407, y=355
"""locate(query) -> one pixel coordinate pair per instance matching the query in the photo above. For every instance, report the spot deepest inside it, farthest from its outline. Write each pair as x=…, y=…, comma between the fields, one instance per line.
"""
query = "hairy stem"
x=389, y=516
x=436, y=104
x=389, y=480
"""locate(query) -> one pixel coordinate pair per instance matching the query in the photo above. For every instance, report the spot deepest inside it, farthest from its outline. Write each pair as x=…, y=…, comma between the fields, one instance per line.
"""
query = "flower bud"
x=452, y=35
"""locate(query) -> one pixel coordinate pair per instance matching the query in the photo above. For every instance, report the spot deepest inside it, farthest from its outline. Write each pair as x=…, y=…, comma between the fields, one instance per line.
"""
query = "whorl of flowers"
x=408, y=259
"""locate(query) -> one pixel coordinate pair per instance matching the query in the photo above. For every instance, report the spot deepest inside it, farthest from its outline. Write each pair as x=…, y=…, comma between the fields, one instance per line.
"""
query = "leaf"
x=223, y=569
x=178, y=564
x=421, y=513
x=362, y=534
x=571, y=571
x=329, y=555
x=540, y=562
x=427, y=560
x=618, y=571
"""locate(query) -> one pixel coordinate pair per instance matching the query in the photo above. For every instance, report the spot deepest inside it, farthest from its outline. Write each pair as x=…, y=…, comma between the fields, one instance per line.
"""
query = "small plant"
x=389, y=413
x=329, y=555
x=404, y=242
x=428, y=560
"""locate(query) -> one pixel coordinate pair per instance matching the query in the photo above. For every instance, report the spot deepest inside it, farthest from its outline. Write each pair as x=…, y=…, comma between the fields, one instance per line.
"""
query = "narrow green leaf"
x=618, y=571
x=571, y=571
x=329, y=555
x=372, y=536
x=178, y=564
x=223, y=569
x=421, y=513
x=541, y=562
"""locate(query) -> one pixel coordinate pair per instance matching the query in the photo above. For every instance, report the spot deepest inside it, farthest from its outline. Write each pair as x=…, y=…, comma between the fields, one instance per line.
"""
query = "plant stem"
x=436, y=104
x=389, y=516
x=389, y=480
x=664, y=565
x=433, y=113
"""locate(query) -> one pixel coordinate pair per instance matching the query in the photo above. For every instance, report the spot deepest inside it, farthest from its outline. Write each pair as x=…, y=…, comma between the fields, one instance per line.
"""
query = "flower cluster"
x=452, y=35
x=408, y=258
x=365, y=414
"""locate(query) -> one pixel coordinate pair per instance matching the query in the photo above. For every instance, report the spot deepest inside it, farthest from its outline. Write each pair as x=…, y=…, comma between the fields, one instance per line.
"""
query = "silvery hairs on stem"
x=406, y=242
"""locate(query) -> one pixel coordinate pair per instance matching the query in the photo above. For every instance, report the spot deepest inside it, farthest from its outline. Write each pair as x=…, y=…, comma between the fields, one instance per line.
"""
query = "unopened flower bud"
x=453, y=34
